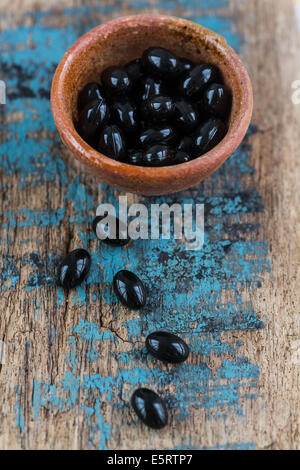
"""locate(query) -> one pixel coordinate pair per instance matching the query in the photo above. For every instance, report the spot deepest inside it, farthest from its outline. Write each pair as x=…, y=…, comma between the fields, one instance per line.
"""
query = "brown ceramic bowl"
x=116, y=43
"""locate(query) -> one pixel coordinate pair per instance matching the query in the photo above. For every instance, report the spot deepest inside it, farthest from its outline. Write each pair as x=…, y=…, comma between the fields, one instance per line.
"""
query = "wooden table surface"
x=72, y=361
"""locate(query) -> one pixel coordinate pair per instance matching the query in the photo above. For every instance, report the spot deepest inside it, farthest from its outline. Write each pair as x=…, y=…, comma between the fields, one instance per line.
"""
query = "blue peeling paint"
x=10, y=273
x=19, y=411
x=190, y=300
x=29, y=218
x=91, y=332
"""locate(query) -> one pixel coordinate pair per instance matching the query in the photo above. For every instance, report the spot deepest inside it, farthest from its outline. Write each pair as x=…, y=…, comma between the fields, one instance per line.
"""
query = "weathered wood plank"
x=73, y=361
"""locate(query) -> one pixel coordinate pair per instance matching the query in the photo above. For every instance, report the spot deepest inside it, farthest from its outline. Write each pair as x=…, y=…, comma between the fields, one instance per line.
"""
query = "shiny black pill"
x=115, y=80
x=208, y=136
x=167, y=347
x=185, y=115
x=186, y=144
x=110, y=230
x=134, y=70
x=162, y=62
x=149, y=87
x=74, y=268
x=90, y=92
x=216, y=100
x=186, y=64
x=129, y=289
x=193, y=83
x=214, y=131
x=134, y=157
x=125, y=115
x=112, y=142
x=181, y=157
x=150, y=408
x=161, y=134
x=158, y=108
x=158, y=155
x=93, y=116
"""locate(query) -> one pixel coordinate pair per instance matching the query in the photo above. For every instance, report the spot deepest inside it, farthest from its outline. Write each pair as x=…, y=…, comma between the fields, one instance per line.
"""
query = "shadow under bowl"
x=116, y=43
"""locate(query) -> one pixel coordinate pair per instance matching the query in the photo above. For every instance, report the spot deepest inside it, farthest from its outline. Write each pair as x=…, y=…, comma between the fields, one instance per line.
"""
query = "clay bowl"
x=116, y=43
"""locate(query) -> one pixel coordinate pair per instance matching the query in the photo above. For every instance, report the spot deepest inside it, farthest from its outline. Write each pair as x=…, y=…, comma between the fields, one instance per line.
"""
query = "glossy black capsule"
x=186, y=64
x=110, y=230
x=125, y=115
x=134, y=157
x=158, y=155
x=116, y=80
x=162, y=63
x=185, y=115
x=74, y=268
x=93, y=116
x=216, y=100
x=150, y=87
x=158, y=108
x=186, y=144
x=181, y=157
x=193, y=82
x=129, y=289
x=167, y=347
x=112, y=142
x=134, y=70
x=150, y=408
x=90, y=92
x=163, y=134
x=208, y=136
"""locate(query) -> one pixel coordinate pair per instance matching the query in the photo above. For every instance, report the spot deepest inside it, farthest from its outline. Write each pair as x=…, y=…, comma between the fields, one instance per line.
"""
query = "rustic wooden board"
x=72, y=361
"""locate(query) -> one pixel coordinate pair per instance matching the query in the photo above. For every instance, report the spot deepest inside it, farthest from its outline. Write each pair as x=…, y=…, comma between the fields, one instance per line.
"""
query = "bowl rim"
x=153, y=176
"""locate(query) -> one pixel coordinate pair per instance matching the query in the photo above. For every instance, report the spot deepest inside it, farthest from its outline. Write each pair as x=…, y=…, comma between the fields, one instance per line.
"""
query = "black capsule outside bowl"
x=74, y=269
x=129, y=289
x=150, y=408
x=101, y=229
x=167, y=347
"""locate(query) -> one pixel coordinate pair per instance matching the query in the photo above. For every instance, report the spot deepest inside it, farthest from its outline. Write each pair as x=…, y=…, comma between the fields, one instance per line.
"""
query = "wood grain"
x=72, y=361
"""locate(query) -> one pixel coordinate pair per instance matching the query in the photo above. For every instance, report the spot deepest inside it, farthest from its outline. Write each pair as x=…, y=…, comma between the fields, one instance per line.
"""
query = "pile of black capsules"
x=132, y=293
x=158, y=110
